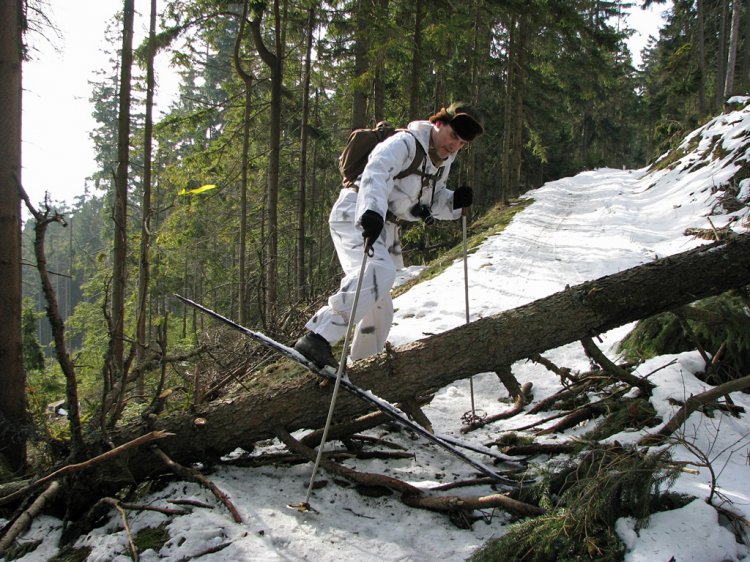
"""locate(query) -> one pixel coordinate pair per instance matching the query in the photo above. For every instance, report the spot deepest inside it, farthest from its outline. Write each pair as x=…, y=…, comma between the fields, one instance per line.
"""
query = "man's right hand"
x=372, y=226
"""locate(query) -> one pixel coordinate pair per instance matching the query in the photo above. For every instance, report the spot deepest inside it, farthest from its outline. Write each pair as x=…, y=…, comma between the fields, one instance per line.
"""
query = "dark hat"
x=465, y=120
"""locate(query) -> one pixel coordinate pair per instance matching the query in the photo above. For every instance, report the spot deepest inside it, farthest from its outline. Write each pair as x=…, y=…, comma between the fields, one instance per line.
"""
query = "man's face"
x=446, y=140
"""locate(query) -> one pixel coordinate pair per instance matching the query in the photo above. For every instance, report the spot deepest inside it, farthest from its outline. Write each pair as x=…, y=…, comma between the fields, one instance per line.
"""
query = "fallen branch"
x=193, y=475
x=142, y=440
x=124, y=518
x=572, y=419
x=343, y=430
x=518, y=406
x=454, y=503
x=565, y=394
x=24, y=520
x=411, y=495
x=563, y=372
x=114, y=502
x=338, y=454
x=364, y=478
x=692, y=404
x=622, y=375
x=537, y=449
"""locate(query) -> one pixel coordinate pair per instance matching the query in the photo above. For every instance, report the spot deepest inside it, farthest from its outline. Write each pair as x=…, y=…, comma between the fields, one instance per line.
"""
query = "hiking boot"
x=317, y=349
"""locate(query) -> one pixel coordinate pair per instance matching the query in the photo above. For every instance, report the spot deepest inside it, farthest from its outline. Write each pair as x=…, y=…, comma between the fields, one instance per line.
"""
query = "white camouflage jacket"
x=379, y=191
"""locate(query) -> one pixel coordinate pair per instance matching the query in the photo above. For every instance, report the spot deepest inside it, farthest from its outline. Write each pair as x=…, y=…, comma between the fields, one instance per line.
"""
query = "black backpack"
x=361, y=142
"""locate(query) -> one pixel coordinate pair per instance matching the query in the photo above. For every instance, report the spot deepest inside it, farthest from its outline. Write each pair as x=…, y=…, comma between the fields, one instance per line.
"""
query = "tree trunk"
x=296, y=402
x=721, y=58
x=359, y=93
x=416, y=63
x=12, y=377
x=275, y=61
x=701, y=58
x=734, y=35
x=301, y=289
x=247, y=80
x=144, y=269
x=504, y=189
x=120, y=213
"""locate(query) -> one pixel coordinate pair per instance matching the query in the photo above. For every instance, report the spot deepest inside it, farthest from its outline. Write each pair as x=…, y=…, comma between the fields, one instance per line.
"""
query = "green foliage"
x=725, y=322
x=151, y=538
x=33, y=357
x=585, y=499
x=624, y=414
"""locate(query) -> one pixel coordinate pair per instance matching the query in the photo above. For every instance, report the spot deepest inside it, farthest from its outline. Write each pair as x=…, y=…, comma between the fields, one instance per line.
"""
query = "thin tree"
x=302, y=196
x=274, y=61
x=120, y=247
x=734, y=36
x=416, y=62
x=361, y=64
x=247, y=80
x=721, y=58
x=144, y=269
x=12, y=376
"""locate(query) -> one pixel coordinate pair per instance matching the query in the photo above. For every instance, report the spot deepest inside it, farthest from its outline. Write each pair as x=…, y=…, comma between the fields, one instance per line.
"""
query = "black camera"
x=423, y=212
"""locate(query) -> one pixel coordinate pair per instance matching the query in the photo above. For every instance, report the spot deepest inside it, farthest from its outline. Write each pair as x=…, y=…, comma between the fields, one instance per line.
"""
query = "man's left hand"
x=462, y=197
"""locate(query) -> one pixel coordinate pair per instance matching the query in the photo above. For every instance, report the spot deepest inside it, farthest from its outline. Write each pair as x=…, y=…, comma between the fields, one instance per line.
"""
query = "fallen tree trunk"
x=288, y=398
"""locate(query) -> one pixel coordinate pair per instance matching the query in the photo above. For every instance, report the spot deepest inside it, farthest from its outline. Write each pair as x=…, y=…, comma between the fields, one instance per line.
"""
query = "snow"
x=577, y=229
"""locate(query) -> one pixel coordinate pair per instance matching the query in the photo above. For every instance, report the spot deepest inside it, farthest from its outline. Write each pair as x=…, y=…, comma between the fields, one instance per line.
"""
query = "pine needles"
x=585, y=500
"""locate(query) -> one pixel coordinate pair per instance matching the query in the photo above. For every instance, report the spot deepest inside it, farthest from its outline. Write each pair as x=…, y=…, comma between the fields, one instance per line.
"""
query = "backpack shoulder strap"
x=419, y=157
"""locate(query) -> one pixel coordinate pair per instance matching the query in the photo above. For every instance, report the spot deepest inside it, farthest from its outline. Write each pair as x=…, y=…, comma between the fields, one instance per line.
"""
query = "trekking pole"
x=469, y=417
x=305, y=505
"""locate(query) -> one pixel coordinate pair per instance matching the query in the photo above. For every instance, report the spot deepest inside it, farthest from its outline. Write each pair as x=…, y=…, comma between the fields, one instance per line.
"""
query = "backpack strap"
x=419, y=158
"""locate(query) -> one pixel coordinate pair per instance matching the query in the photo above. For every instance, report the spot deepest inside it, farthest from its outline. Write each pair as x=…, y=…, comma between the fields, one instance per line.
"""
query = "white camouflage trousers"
x=374, y=313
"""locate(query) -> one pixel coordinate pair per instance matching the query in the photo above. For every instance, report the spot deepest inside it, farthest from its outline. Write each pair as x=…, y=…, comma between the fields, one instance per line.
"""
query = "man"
x=363, y=219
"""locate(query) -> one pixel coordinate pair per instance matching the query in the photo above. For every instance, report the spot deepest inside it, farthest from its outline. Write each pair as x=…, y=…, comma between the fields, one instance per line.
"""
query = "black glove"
x=372, y=226
x=462, y=197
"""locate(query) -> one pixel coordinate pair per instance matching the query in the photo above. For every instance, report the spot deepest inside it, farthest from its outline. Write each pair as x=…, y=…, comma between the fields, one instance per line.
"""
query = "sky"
x=576, y=229
x=57, y=153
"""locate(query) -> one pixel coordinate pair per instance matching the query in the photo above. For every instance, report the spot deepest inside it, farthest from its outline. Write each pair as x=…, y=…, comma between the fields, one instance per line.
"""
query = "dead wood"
x=124, y=518
x=587, y=412
x=341, y=431
x=42, y=222
x=463, y=503
x=193, y=475
x=522, y=399
x=372, y=440
x=568, y=393
x=411, y=495
x=68, y=469
x=562, y=372
x=362, y=478
x=335, y=454
x=22, y=523
x=510, y=382
x=609, y=367
x=691, y=405
x=481, y=481
x=537, y=449
x=294, y=401
x=411, y=408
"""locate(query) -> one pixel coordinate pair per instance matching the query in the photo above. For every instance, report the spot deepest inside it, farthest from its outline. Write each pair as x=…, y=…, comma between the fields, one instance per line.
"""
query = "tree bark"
x=247, y=80
x=301, y=284
x=12, y=377
x=144, y=267
x=296, y=401
x=274, y=60
x=733, y=40
x=120, y=219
